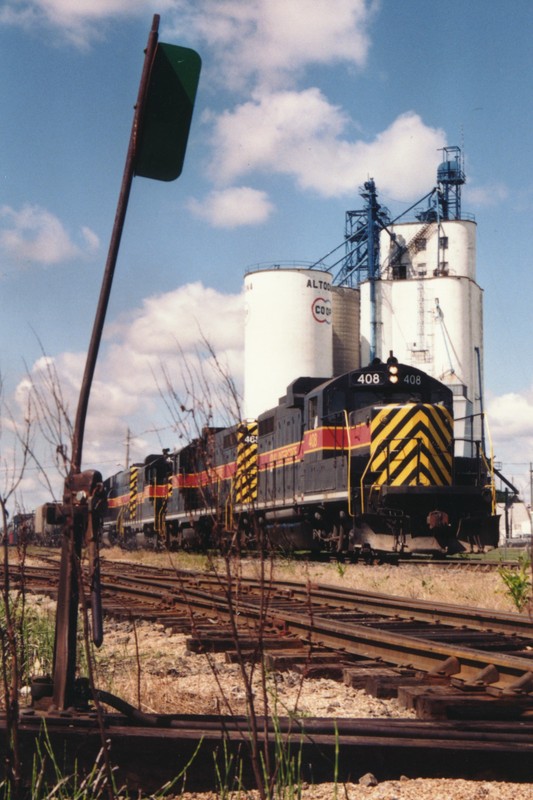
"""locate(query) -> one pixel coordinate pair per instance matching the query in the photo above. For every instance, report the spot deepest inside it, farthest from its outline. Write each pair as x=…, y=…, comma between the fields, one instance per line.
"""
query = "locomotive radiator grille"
x=247, y=468
x=412, y=445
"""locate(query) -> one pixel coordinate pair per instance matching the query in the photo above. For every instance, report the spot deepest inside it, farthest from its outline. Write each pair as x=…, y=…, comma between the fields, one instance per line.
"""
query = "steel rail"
x=320, y=626
x=145, y=757
x=372, y=602
x=152, y=580
x=316, y=624
x=425, y=610
x=501, y=671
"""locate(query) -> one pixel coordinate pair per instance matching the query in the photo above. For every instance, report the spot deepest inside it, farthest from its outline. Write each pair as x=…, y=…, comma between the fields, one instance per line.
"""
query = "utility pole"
x=128, y=439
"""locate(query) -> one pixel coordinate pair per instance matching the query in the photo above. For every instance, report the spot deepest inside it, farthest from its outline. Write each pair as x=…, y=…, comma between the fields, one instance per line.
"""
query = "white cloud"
x=168, y=333
x=63, y=371
x=270, y=130
x=33, y=235
x=182, y=316
x=79, y=22
x=233, y=207
x=167, y=329
x=491, y=195
x=263, y=47
x=302, y=135
x=510, y=417
x=271, y=41
x=91, y=239
x=91, y=9
x=263, y=39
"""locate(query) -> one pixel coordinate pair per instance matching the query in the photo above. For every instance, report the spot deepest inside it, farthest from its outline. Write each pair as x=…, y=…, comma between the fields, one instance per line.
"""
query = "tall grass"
x=35, y=637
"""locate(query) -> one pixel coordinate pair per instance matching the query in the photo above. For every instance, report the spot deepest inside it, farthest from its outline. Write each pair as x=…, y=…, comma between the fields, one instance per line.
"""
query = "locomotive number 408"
x=374, y=378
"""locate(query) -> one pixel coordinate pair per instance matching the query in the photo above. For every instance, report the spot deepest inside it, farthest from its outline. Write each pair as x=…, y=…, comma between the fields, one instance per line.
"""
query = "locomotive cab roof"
x=378, y=384
x=299, y=389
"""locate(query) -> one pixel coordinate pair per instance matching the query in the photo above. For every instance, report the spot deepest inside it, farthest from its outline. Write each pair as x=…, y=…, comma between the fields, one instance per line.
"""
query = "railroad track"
x=467, y=673
x=473, y=647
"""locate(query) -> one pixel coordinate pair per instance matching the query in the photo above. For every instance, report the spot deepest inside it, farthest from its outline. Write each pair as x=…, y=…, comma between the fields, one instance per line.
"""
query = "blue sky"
x=300, y=101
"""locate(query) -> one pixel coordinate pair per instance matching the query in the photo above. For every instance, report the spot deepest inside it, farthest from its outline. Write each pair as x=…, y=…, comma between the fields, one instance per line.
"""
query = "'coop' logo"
x=321, y=310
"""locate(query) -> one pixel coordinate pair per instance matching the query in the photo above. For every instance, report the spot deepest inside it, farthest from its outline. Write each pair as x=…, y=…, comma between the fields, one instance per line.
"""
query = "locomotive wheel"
x=338, y=531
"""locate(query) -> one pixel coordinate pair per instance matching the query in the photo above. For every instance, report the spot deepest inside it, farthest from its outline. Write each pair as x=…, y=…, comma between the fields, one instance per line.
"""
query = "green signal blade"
x=168, y=112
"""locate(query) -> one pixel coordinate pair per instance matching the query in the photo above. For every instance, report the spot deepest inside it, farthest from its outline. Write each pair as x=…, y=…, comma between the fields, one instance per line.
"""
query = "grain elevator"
x=405, y=285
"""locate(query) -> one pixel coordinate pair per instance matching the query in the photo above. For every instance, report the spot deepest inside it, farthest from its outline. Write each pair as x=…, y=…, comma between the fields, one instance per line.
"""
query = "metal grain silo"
x=287, y=332
x=346, y=329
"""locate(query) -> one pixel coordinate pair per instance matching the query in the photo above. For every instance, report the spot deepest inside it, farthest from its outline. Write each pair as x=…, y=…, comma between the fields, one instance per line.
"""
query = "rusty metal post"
x=79, y=487
x=76, y=512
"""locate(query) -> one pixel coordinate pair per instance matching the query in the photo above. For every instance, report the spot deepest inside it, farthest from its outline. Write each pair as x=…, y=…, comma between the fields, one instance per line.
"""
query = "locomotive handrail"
x=228, y=505
x=120, y=523
x=492, y=484
x=349, y=470
x=362, y=485
x=490, y=464
x=476, y=442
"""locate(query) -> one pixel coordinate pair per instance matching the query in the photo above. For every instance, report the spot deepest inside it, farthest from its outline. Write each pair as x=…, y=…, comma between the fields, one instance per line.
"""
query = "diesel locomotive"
x=357, y=464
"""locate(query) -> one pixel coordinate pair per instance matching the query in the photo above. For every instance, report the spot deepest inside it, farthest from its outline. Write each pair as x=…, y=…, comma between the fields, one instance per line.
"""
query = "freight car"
x=358, y=464
x=42, y=526
x=21, y=529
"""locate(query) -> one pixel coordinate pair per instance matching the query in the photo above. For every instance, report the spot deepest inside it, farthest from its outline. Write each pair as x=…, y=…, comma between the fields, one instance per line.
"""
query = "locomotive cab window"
x=312, y=412
x=334, y=405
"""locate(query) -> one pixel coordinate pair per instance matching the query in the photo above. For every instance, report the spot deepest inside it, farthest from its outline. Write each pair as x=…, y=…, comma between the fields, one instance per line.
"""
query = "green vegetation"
x=35, y=639
x=341, y=568
x=518, y=582
x=48, y=780
x=499, y=554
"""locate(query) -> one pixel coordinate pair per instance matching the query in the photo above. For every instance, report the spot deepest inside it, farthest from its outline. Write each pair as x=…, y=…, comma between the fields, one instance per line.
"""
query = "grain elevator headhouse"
x=419, y=295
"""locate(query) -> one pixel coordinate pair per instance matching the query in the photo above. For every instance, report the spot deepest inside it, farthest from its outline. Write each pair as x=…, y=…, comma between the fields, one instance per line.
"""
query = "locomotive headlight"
x=393, y=379
x=393, y=373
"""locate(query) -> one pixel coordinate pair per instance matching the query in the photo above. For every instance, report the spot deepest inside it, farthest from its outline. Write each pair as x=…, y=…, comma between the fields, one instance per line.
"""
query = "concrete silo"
x=429, y=310
x=423, y=301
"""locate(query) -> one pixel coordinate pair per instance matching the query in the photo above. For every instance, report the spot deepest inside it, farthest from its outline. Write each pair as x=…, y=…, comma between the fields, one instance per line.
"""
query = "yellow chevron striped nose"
x=412, y=445
x=134, y=475
x=246, y=474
